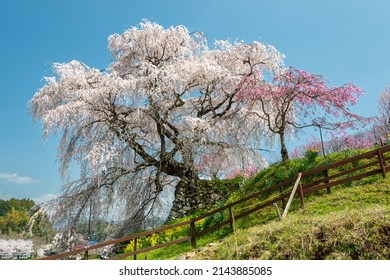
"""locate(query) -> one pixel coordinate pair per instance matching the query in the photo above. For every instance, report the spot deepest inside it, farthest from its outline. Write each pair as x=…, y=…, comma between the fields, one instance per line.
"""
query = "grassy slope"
x=353, y=222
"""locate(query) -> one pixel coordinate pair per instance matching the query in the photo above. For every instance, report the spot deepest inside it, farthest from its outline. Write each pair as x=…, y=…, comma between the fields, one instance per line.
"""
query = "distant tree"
x=14, y=215
x=147, y=120
x=344, y=141
x=22, y=216
x=4, y=207
x=382, y=128
x=15, y=221
x=337, y=142
x=296, y=99
x=18, y=204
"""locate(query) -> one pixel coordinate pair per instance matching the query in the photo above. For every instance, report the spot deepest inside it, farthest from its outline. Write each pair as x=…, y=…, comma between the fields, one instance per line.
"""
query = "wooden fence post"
x=292, y=195
x=86, y=254
x=301, y=195
x=193, y=233
x=283, y=201
x=231, y=217
x=135, y=247
x=326, y=174
x=381, y=163
x=277, y=211
x=234, y=232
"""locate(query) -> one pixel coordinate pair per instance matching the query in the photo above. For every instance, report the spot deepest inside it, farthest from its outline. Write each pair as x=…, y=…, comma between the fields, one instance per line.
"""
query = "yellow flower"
x=154, y=239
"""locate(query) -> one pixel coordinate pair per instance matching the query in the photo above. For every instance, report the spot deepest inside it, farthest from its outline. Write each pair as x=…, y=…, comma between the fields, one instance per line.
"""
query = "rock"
x=200, y=249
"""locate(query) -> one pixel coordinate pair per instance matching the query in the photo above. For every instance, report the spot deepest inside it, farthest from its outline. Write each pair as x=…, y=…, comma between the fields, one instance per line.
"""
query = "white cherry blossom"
x=166, y=102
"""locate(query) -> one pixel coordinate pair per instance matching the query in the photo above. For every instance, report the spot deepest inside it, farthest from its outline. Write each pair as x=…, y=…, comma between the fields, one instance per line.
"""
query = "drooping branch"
x=165, y=102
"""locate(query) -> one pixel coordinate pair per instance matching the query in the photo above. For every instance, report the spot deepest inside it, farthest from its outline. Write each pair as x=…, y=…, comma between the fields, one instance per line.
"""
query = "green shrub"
x=311, y=155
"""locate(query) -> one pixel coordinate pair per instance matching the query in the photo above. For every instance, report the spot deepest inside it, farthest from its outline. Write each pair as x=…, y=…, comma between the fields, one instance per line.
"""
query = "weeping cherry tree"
x=147, y=122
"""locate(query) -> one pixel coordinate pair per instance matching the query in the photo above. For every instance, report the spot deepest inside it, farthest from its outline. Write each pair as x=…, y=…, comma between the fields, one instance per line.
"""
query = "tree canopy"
x=296, y=99
x=166, y=103
x=17, y=204
x=382, y=127
x=16, y=218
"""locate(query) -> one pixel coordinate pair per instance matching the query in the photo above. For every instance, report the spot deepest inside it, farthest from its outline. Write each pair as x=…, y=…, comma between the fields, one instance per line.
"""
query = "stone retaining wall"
x=191, y=196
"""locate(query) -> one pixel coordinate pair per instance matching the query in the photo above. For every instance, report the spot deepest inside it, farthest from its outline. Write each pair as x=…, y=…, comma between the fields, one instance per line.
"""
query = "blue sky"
x=346, y=41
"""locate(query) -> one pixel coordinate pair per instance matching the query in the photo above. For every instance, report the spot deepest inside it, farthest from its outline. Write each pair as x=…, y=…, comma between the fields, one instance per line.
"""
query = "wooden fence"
x=325, y=177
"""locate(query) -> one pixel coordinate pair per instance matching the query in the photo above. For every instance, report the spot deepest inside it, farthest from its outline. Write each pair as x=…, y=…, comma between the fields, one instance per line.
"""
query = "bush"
x=311, y=155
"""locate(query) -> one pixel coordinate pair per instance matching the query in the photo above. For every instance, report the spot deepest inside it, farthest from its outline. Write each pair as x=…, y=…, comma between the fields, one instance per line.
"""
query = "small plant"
x=217, y=218
x=311, y=154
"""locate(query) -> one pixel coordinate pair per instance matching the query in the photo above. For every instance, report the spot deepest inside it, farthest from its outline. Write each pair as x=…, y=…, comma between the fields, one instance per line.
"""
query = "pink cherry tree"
x=382, y=126
x=338, y=141
x=296, y=99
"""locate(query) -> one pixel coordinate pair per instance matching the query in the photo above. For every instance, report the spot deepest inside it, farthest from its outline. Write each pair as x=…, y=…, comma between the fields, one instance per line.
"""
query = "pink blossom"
x=339, y=140
x=247, y=172
x=288, y=103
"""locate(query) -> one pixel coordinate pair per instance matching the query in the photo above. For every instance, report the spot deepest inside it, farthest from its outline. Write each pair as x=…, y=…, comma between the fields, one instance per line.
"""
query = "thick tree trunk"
x=283, y=148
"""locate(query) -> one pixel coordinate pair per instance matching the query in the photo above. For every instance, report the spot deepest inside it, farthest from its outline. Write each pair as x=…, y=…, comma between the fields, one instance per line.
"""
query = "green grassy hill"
x=352, y=222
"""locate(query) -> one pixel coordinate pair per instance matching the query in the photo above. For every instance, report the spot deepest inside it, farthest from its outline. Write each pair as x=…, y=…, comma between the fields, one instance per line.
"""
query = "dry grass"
x=353, y=234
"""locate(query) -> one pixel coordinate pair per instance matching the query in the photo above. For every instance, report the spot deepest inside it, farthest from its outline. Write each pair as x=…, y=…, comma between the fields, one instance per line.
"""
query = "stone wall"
x=199, y=195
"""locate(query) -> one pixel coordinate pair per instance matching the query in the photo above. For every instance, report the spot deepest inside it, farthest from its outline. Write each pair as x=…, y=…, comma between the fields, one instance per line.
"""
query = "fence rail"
x=325, y=177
